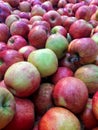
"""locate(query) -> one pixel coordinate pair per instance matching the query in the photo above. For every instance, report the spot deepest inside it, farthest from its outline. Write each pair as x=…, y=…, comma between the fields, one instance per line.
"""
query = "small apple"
x=25, y=6
x=58, y=118
x=15, y=42
x=71, y=93
x=47, y=5
x=25, y=80
x=45, y=60
x=7, y=107
x=24, y=116
x=58, y=44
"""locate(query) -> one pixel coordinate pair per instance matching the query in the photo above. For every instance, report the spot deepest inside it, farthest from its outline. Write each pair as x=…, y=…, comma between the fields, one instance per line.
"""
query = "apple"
x=93, y=8
x=45, y=60
x=7, y=58
x=26, y=50
x=94, y=23
x=4, y=32
x=4, y=12
x=95, y=37
x=59, y=29
x=61, y=72
x=22, y=83
x=19, y=28
x=7, y=107
x=58, y=44
x=84, y=49
x=35, y=18
x=3, y=46
x=25, y=6
x=78, y=28
x=95, y=104
x=72, y=1
x=10, y=19
x=94, y=2
x=88, y=74
x=24, y=15
x=2, y=84
x=47, y=5
x=53, y=18
x=95, y=15
x=71, y=93
x=42, y=98
x=15, y=42
x=13, y=3
x=37, y=36
x=61, y=3
x=87, y=116
x=24, y=116
x=58, y=118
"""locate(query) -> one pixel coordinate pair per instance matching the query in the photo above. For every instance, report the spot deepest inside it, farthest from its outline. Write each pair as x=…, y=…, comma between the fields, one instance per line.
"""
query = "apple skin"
x=96, y=128
x=39, y=59
x=95, y=104
x=25, y=6
x=53, y=18
x=4, y=12
x=47, y=5
x=82, y=49
x=15, y=42
x=4, y=30
x=3, y=46
x=42, y=98
x=61, y=73
x=13, y=3
x=7, y=107
x=95, y=15
x=71, y=93
x=56, y=114
x=26, y=50
x=95, y=37
x=35, y=18
x=24, y=116
x=78, y=28
x=87, y=116
x=58, y=44
x=88, y=74
x=22, y=83
x=7, y=58
x=19, y=25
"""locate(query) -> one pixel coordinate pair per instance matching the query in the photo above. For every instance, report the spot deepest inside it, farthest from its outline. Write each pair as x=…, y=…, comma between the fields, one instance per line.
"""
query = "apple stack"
x=49, y=65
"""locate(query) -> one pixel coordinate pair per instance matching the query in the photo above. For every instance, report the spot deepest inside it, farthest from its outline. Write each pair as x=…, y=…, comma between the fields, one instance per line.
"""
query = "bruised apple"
x=58, y=118
x=89, y=75
x=71, y=93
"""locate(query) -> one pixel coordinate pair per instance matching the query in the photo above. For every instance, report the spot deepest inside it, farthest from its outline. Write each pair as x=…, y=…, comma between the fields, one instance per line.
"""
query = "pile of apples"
x=49, y=65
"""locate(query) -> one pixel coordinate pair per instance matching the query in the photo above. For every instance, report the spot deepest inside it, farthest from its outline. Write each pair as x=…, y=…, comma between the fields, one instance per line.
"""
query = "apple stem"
x=74, y=58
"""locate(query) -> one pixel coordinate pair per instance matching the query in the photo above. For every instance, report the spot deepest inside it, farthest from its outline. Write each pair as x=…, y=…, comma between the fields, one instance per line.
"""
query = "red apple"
x=19, y=28
x=95, y=104
x=25, y=6
x=24, y=15
x=61, y=73
x=24, y=116
x=87, y=116
x=62, y=3
x=94, y=2
x=22, y=83
x=15, y=42
x=52, y=17
x=3, y=46
x=35, y=18
x=4, y=32
x=71, y=93
x=47, y=5
x=58, y=118
x=95, y=15
x=78, y=28
x=7, y=107
x=13, y=3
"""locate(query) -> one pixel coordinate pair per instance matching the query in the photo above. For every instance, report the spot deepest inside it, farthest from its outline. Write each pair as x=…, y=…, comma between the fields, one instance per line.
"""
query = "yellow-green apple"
x=47, y=5
x=4, y=32
x=19, y=28
x=7, y=107
x=26, y=50
x=11, y=18
x=25, y=80
x=7, y=58
x=84, y=49
x=78, y=28
x=58, y=44
x=59, y=29
x=59, y=118
x=45, y=60
x=24, y=116
x=4, y=12
x=37, y=36
x=15, y=42
x=71, y=93
x=95, y=104
x=87, y=116
x=53, y=18
x=61, y=73
x=13, y=3
x=24, y=6
x=88, y=74
x=42, y=98
x=3, y=46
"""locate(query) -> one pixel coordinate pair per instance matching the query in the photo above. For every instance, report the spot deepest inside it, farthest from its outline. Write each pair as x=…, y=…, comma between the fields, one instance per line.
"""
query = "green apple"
x=57, y=43
x=7, y=107
x=45, y=60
